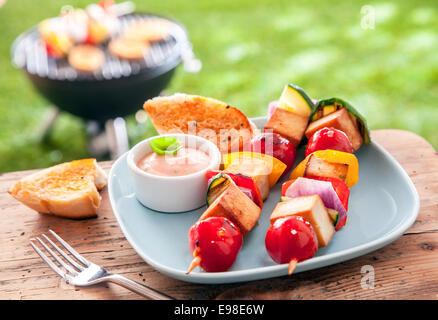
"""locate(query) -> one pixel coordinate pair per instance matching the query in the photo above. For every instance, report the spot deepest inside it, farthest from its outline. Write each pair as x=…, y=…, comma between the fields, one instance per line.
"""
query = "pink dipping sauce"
x=185, y=161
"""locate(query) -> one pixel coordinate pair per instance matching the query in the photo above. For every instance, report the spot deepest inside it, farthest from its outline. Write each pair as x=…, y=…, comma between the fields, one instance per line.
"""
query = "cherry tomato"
x=51, y=51
x=275, y=145
x=89, y=38
x=290, y=240
x=215, y=243
x=329, y=138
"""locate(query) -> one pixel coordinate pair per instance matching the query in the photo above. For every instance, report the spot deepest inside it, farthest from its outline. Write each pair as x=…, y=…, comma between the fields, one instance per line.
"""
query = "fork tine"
x=74, y=263
x=48, y=261
x=70, y=249
x=62, y=263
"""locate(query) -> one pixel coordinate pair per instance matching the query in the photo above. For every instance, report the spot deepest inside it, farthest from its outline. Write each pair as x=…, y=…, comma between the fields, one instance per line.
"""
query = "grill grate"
x=28, y=52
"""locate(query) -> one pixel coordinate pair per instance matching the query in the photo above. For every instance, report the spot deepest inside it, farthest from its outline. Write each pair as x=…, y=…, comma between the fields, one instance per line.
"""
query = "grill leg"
x=46, y=129
x=109, y=139
x=97, y=144
x=117, y=136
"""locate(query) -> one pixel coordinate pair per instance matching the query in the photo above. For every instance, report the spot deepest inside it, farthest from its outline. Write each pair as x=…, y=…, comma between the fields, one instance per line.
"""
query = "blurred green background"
x=250, y=49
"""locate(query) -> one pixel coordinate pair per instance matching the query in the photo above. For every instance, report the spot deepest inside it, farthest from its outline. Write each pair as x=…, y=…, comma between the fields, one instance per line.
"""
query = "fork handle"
x=137, y=287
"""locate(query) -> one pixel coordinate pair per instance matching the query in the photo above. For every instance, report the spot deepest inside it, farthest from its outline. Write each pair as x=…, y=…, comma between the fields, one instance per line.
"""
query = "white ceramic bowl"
x=172, y=194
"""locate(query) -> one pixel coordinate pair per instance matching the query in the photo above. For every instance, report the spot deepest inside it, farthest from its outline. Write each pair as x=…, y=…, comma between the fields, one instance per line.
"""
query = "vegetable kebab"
x=314, y=202
x=237, y=193
x=234, y=204
x=318, y=189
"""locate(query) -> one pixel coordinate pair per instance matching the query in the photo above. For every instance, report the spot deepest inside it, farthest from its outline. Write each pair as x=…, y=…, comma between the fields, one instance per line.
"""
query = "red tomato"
x=215, y=243
x=329, y=138
x=51, y=51
x=275, y=145
x=286, y=186
x=291, y=239
x=89, y=38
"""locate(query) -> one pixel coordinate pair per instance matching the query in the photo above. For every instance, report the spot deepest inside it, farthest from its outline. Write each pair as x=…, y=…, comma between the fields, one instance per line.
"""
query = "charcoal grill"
x=118, y=89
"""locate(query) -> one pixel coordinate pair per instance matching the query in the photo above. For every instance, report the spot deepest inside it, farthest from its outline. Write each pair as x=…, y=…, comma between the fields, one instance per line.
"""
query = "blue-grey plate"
x=383, y=205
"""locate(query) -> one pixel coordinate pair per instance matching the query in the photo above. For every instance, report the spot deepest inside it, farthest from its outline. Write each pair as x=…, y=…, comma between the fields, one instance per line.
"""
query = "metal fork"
x=82, y=273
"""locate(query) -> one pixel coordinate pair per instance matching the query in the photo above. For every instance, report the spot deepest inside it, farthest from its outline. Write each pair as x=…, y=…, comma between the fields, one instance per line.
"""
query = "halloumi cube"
x=234, y=205
x=255, y=168
x=288, y=124
x=312, y=209
x=322, y=168
x=340, y=120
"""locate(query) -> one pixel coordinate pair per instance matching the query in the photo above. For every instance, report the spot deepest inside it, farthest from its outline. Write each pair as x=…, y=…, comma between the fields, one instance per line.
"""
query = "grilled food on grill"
x=86, y=58
x=148, y=30
x=129, y=49
x=68, y=190
x=222, y=124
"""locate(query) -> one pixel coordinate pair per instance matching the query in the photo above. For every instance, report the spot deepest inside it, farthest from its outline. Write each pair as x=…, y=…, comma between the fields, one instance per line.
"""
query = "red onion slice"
x=271, y=107
x=247, y=192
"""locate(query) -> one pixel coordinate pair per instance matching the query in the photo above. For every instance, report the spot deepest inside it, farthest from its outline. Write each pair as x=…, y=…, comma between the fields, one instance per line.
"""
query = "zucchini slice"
x=326, y=106
x=216, y=186
x=334, y=215
x=296, y=100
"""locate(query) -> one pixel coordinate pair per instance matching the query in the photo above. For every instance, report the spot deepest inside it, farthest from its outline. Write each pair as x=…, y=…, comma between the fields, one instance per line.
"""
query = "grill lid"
x=29, y=53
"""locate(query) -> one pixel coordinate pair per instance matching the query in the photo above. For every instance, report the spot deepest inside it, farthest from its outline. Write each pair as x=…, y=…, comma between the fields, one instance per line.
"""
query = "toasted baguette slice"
x=68, y=190
x=222, y=124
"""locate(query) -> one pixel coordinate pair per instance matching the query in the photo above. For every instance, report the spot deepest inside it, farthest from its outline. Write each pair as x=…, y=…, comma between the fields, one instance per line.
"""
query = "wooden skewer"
x=195, y=262
x=292, y=265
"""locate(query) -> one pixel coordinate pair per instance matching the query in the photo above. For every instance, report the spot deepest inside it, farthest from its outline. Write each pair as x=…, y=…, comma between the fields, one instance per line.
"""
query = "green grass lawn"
x=249, y=50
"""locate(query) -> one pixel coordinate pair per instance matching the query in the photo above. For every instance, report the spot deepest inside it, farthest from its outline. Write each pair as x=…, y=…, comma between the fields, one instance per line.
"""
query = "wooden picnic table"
x=404, y=269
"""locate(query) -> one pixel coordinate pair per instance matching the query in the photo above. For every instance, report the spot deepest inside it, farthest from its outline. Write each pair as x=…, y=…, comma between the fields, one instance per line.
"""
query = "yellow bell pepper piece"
x=334, y=157
x=276, y=166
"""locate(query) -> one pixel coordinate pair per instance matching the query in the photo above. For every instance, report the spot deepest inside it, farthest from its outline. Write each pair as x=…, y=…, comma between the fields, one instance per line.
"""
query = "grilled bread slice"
x=68, y=190
x=222, y=124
